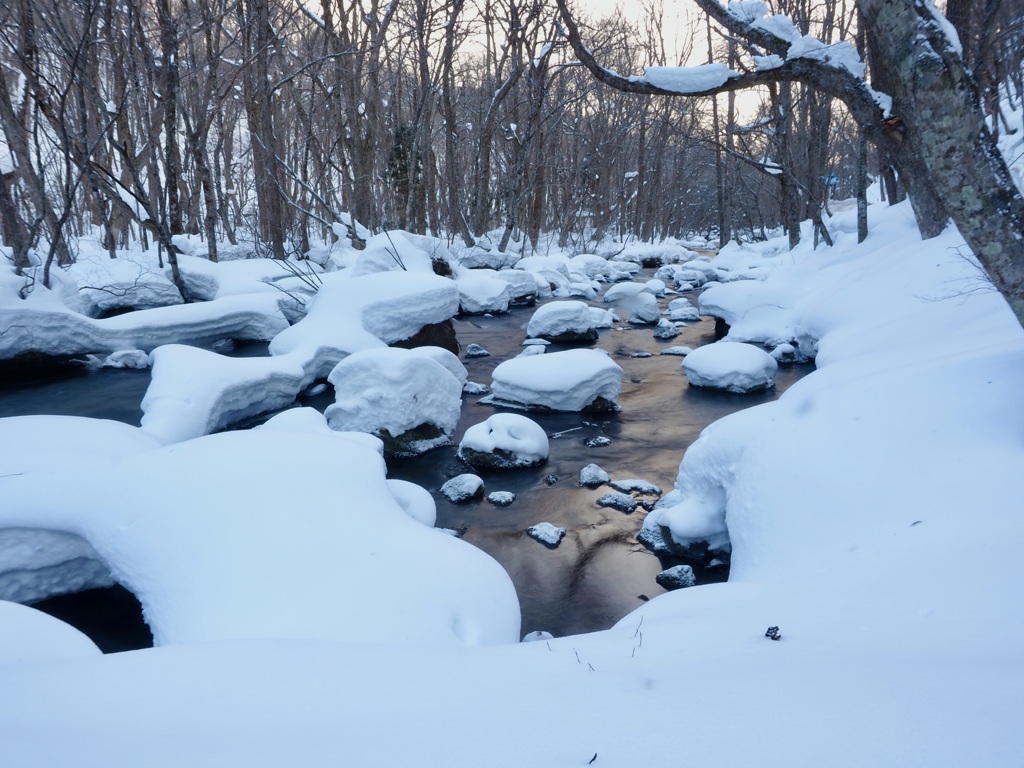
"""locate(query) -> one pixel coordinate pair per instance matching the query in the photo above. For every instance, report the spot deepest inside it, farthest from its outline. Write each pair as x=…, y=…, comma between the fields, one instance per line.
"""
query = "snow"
x=393, y=390
x=871, y=511
x=562, y=381
x=505, y=441
x=462, y=488
x=592, y=476
x=557, y=319
x=194, y=392
x=683, y=80
x=546, y=533
x=501, y=498
x=219, y=540
x=732, y=366
x=644, y=309
x=482, y=291
x=40, y=325
x=31, y=636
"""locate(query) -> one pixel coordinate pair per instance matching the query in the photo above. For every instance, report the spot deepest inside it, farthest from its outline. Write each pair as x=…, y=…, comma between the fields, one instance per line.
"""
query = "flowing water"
x=598, y=573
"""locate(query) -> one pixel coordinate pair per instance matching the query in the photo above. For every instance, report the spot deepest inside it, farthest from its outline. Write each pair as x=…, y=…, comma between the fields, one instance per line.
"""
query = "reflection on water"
x=598, y=573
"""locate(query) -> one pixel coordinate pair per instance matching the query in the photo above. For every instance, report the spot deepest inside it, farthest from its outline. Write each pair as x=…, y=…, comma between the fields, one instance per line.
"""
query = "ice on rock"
x=572, y=380
x=505, y=441
x=731, y=366
x=564, y=322
x=676, y=577
x=408, y=399
x=677, y=351
x=501, y=498
x=592, y=475
x=546, y=533
x=475, y=350
x=597, y=442
x=463, y=488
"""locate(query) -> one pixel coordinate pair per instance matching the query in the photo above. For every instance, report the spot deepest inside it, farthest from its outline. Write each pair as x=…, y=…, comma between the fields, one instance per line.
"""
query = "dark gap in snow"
x=111, y=617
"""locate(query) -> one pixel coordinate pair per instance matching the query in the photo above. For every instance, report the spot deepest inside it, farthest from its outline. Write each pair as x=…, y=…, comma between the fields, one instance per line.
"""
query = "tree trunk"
x=942, y=139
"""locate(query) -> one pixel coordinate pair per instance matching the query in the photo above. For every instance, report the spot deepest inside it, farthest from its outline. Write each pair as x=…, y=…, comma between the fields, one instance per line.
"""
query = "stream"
x=598, y=573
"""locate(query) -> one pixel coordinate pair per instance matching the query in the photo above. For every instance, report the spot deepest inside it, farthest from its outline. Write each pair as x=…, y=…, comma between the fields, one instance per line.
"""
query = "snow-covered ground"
x=873, y=513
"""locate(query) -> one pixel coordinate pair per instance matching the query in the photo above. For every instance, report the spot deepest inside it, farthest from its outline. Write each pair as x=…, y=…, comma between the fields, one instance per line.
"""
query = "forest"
x=277, y=124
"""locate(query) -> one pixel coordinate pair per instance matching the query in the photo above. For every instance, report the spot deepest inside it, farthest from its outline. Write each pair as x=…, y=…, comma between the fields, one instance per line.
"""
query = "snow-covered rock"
x=563, y=322
x=501, y=498
x=475, y=350
x=732, y=366
x=127, y=358
x=220, y=541
x=463, y=488
x=625, y=291
x=481, y=292
x=505, y=441
x=589, y=264
x=572, y=380
x=592, y=476
x=547, y=534
x=445, y=358
x=524, y=286
x=636, y=485
x=644, y=309
x=406, y=398
x=665, y=330
x=620, y=501
x=676, y=577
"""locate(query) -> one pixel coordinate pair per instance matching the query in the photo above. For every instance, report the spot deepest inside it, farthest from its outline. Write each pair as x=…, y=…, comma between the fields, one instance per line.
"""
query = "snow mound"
x=572, y=380
x=505, y=441
x=482, y=291
x=391, y=392
x=563, y=322
x=228, y=544
x=732, y=366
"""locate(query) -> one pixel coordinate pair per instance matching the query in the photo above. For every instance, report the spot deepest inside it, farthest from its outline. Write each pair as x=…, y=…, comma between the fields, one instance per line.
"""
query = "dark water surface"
x=599, y=572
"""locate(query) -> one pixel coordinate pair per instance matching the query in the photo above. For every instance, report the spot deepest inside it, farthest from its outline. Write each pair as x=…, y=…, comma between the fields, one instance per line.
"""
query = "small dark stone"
x=551, y=479
x=773, y=633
